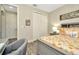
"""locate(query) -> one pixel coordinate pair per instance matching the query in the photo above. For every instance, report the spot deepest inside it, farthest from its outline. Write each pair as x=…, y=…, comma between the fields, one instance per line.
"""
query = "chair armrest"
x=14, y=53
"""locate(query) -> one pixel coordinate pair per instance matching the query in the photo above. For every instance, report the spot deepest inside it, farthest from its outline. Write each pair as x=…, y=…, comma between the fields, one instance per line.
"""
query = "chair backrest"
x=17, y=43
x=17, y=48
x=22, y=49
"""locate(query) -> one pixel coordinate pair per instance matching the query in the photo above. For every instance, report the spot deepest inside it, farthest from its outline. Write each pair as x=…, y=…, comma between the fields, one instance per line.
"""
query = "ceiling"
x=46, y=7
x=10, y=8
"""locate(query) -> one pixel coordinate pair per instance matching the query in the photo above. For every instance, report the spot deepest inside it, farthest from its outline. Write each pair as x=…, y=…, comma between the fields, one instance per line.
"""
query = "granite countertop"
x=62, y=43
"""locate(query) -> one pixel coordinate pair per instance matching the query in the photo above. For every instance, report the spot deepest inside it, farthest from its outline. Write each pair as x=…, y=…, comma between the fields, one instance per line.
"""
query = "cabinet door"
x=39, y=25
x=44, y=49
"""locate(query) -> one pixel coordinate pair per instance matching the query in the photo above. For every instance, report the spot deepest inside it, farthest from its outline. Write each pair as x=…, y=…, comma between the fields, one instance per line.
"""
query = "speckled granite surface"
x=62, y=43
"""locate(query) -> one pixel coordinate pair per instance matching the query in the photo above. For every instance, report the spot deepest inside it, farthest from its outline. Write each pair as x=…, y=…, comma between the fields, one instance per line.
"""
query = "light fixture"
x=55, y=29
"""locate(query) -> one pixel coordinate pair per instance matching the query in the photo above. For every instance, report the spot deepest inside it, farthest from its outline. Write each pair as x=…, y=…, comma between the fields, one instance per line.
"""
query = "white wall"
x=54, y=16
x=25, y=12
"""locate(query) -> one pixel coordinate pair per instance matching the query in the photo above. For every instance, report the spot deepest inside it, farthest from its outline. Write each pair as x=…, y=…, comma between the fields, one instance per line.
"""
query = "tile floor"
x=32, y=48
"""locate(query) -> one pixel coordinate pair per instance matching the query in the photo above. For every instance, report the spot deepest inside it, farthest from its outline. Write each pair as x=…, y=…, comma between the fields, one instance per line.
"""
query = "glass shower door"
x=2, y=24
x=8, y=22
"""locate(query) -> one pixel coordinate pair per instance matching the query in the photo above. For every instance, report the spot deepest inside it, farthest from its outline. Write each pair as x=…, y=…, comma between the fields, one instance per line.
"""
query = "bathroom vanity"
x=45, y=49
x=57, y=45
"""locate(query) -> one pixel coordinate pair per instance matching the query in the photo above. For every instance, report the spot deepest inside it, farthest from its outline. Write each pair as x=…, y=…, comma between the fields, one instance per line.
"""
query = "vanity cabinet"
x=43, y=49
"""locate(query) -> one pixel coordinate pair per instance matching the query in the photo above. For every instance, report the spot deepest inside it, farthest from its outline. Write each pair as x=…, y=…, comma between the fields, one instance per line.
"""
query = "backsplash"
x=69, y=30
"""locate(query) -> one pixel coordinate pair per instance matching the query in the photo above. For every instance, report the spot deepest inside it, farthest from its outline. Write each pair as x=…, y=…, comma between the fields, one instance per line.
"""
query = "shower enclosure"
x=8, y=22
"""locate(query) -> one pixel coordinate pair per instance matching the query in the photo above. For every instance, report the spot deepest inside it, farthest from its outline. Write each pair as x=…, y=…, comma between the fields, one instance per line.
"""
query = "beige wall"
x=25, y=12
x=54, y=15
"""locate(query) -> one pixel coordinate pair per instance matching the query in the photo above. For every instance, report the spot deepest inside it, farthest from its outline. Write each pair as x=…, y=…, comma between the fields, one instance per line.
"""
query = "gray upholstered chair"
x=18, y=47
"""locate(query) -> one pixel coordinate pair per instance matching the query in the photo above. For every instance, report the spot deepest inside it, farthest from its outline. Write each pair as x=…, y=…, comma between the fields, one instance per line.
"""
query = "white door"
x=40, y=27
x=11, y=25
